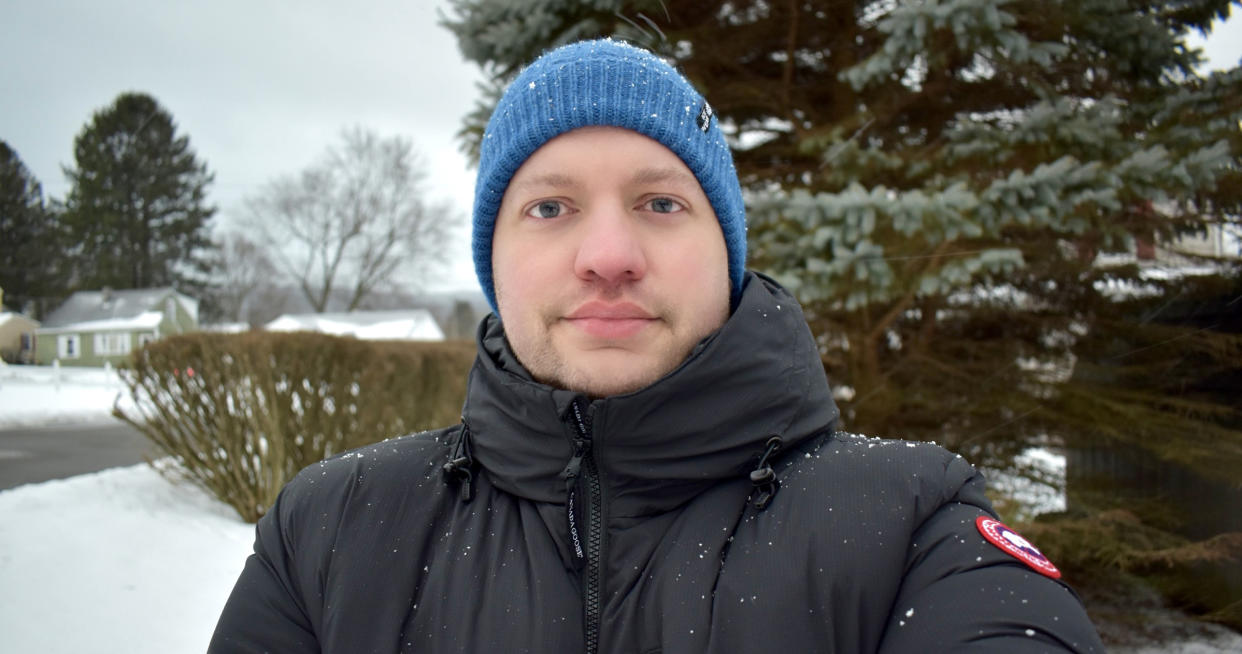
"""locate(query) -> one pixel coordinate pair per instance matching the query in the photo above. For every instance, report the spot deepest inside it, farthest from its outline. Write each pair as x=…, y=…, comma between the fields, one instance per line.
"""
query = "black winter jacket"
x=676, y=538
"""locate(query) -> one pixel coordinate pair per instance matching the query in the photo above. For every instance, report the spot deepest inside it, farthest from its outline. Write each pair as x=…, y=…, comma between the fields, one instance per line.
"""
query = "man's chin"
x=598, y=371
x=595, y=383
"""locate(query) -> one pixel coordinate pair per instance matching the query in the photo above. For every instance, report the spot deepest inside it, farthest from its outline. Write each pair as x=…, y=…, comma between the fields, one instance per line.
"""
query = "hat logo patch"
x=1013, y=544
x=705, y=116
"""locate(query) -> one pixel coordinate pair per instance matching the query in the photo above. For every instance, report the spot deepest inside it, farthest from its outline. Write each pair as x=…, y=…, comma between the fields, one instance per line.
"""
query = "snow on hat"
x=608, y=83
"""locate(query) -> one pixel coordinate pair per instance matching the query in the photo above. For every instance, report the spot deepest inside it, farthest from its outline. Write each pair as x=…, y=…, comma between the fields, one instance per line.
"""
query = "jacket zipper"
x=586, y=537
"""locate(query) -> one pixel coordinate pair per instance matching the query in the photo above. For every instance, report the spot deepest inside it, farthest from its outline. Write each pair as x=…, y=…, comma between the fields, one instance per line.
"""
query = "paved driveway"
x=33, y=454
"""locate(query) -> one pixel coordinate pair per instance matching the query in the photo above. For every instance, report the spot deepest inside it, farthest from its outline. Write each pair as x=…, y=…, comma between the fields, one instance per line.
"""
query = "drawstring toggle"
x=764, y=477
x=459, y=468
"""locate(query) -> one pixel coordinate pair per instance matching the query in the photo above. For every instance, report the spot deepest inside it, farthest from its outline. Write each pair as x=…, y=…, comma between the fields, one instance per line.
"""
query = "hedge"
x=241, y=414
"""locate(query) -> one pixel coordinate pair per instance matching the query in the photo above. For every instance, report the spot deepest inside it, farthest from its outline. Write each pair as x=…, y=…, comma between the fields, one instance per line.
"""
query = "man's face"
x=609, y=262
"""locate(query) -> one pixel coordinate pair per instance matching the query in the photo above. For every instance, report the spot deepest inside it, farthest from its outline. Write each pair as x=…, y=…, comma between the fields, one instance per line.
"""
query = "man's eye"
x=546, y=209
x=663, y=205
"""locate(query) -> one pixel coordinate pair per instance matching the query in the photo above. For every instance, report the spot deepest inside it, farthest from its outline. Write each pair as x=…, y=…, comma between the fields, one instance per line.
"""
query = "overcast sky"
x=261, y=87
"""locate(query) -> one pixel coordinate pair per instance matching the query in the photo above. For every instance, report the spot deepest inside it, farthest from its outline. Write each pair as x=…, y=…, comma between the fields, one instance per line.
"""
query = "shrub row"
x=240, y=414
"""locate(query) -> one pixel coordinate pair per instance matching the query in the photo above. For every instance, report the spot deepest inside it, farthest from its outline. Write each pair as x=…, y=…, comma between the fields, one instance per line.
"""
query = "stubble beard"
x=549, y=366
x=537, y=351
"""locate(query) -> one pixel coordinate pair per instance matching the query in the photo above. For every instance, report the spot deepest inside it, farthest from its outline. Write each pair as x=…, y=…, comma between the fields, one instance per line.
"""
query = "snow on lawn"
x=115, y=561
x=1040, y=491
x=39, y=395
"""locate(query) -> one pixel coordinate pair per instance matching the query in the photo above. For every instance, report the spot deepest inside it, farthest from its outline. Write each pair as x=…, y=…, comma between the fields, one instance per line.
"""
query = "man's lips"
x=610, y=321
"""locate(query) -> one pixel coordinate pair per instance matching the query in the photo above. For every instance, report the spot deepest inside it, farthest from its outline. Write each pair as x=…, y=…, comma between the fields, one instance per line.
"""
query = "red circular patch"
x=1016, y=546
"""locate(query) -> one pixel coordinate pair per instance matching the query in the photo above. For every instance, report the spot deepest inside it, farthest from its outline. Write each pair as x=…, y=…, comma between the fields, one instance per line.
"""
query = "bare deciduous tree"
x=355, y=221
x=244, y=289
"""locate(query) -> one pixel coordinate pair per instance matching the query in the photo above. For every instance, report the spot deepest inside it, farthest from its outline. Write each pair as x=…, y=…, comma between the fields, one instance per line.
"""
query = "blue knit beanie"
x=609, y=83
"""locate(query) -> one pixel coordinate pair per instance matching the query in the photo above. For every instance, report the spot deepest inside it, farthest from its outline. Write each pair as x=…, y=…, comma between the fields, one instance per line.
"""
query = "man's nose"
x=611, y=248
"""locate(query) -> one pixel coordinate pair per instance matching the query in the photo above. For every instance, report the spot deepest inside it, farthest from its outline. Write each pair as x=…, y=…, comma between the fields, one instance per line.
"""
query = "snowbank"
x=115, y=561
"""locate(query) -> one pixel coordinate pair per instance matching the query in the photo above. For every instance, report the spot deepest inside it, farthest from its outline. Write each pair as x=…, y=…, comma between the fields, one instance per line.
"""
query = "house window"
x=145, y=338
x=68, y=346
x=112, y=343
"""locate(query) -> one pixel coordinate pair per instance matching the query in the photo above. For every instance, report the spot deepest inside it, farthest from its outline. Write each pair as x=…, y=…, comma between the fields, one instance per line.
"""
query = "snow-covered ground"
x=40, y=395
x=125, y=561
x=115, y=561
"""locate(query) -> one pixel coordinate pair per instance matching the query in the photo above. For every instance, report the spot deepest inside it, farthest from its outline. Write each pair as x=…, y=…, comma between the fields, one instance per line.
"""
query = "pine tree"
x=29, y=242
x=136, y=213
x=955, y=189
x=936, y=180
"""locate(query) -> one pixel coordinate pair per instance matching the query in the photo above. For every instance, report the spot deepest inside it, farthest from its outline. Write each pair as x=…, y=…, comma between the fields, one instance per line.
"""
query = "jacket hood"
x=709, y=419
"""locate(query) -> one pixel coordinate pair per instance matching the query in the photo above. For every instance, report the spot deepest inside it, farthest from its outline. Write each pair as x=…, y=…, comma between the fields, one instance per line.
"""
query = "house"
x=411, y=325
x=17, y=337
x=96, y=327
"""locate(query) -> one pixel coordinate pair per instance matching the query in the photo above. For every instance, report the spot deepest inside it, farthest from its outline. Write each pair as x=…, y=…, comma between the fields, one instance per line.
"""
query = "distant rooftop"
x=92, y=306
x=147, y=320
x=414, y=324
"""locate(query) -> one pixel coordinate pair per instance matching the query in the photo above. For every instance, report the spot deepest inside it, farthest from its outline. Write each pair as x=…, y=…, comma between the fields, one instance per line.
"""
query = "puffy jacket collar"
x=708, y=420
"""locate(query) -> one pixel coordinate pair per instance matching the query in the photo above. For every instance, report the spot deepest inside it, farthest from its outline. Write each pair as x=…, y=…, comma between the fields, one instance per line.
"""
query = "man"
x=648, y=458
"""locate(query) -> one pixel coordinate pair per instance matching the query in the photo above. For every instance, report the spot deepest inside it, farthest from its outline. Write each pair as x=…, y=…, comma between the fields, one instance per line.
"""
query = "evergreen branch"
x=906, y=300
x=1164, y=342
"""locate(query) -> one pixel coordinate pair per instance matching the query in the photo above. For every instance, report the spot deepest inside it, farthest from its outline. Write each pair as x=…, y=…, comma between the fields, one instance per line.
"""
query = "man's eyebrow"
x=662, y=176
x=642, y=176
x=547, y=180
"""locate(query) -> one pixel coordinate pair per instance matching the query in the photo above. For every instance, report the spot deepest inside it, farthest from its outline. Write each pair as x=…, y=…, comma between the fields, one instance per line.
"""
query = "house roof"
x=6, y=316
x=107, y=305
x=414, y=324
x=148, y=320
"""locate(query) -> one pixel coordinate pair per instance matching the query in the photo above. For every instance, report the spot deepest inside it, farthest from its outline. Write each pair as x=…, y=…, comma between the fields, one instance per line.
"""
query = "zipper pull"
x=572, y=471
x=574, y=468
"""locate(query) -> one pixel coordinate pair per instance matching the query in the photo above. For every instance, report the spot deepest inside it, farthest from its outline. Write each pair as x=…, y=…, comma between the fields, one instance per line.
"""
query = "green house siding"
x=86, y=347
x=45, y=348
x=71, y=347
x=82, y=345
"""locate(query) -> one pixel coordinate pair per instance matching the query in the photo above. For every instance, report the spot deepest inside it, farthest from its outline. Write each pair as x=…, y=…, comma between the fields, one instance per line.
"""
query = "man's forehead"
x=543, y=169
